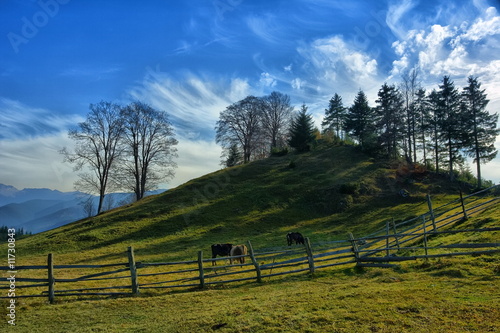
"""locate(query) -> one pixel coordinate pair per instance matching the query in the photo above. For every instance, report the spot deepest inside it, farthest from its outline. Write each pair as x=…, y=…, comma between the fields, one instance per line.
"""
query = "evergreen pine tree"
x=302, y=131
x=433, y=125
x=449, y=123
x=360, y=121
x=334, y=116
x=391, y=121
x=481, y=134
x=233, y=156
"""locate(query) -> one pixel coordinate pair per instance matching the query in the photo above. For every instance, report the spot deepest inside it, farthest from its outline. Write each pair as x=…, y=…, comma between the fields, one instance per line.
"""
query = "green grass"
x=414, y=298
x=261, y=202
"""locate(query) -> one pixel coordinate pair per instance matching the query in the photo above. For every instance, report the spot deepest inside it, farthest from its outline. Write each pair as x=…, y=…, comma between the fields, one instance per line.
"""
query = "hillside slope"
x=260, y=202
x=324, y=194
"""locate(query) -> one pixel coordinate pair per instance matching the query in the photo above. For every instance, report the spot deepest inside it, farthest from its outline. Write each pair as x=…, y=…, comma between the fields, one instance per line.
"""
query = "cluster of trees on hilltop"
x=251, y=128
x=440, y=128
x=256, y=127
x=129, y=148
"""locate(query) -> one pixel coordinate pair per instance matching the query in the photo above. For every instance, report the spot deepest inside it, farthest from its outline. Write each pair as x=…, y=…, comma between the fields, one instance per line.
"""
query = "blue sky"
x=193, y=58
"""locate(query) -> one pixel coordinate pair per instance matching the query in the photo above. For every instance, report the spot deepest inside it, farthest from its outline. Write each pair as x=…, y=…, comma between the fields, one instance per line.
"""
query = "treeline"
x=4, y=232
x=130, y=148
x=255, y=127
x=439, y=129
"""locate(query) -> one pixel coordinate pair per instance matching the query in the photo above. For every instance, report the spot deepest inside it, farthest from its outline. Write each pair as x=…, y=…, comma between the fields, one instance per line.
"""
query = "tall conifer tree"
x=360, y=120
x=391, y=123
x=302, y=131
x=334, y=116
x=449, y=122
x=482, y=126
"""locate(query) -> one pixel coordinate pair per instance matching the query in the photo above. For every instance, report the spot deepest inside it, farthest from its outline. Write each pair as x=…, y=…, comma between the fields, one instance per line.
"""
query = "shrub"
x=279, y=151
x=345, y=203
x=368, y=189
x=350, y=188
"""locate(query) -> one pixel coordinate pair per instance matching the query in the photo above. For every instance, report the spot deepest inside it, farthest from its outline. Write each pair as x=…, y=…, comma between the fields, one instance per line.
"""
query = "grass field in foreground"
x=459, y=294
x=438, y=296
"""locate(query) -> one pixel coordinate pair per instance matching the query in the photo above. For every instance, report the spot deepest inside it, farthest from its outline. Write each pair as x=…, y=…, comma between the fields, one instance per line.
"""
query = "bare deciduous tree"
x=87, y=204
x=97, y=148
x=409, y=88
x=276, y=118
x=240, y=122
x=149, y=149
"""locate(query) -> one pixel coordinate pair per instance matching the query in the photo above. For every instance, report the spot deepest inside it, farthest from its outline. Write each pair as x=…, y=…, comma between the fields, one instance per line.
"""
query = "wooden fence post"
x=200, y=267
x=133, y=270
x=431, y=211
x=255, y=263
x=425, y=236
x=50, y=277
x=463, y=206
x=310, y=258
x=387, y=252
x=354, y=248
x=395, y=232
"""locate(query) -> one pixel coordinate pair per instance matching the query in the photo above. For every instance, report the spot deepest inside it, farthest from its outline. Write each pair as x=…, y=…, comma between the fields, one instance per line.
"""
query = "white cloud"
x=483, y=27
x=191, y=101
x=265, y=27
x=297, y=83
x=399, y=66
x=335, y=54
x=459, y=49
x=196, y=158
x=335, y=65
x=395, y=14
x=267, y=80
x=20, y=120
x=194, y=103
x=36, y=162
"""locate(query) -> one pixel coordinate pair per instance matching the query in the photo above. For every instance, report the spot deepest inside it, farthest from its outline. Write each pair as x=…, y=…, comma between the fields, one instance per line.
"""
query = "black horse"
x=294, y=237
x=222, y=250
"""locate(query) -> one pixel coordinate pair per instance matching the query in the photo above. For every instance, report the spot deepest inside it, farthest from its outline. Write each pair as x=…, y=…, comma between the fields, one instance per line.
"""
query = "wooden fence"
x=407, y=240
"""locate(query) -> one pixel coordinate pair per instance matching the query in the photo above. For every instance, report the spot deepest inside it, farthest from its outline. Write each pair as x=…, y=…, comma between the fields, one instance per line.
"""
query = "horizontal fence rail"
x=396, y=242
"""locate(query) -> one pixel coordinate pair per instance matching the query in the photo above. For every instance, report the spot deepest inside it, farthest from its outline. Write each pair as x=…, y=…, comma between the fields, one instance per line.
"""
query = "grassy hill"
x=324, y=194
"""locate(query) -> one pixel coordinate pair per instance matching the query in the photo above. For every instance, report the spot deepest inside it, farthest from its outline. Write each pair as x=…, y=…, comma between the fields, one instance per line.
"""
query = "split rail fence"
x=407, y=240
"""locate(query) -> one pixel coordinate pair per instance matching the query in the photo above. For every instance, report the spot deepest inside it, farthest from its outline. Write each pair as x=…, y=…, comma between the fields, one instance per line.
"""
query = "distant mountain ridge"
x=40, y=209
x=10, y=194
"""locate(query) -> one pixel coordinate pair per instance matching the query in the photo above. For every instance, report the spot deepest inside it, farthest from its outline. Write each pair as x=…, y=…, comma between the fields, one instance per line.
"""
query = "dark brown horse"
x=294, y=237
